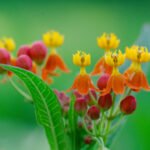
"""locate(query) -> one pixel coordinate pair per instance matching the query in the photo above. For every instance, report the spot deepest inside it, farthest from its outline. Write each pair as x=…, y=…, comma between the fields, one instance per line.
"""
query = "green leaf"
x=73, y=123
x=47, y=107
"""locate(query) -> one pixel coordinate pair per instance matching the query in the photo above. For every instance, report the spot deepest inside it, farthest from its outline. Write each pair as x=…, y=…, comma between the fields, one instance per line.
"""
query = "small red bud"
x=90, y=97
x=23, y=50
x=102, y=81
x=87, y=140
x=128, y=105
x=94, y=112
x=105, y=102
x=38, y=52
x=80, y=105
x=4, y=58
x=24, y=62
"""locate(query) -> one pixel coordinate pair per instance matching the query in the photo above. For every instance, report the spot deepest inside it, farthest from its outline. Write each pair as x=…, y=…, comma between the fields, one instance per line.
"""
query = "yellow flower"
x=137, y=54
x=2, y=44
x=108, y=41
x=81, y=59
x=9, y=44
x=53, y=39
x=115, y=59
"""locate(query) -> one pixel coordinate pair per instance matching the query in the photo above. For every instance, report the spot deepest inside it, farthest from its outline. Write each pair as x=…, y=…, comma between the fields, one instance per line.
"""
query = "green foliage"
x=47, y=107
x=72, y=115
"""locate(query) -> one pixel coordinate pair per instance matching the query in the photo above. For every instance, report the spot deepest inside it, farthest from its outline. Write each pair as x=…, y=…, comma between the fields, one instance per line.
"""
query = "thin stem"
x=28, y=97
x=109, y=118
x=116, y=125
x=86, y=129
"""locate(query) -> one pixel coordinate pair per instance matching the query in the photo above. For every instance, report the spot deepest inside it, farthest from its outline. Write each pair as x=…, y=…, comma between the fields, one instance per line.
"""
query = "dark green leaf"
x=47, y=107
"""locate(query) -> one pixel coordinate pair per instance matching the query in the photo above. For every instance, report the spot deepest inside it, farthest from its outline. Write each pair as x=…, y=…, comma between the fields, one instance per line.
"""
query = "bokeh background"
x=81, y=22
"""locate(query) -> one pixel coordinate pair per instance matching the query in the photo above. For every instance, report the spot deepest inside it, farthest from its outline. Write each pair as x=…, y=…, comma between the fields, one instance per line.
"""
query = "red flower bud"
x=23, y=50
x=4, y=58
x=102, y=81
x=105, y=102
x=94, y=112
x=80, y=105
x=38, y=52
x=24, y=62
x=128, y=105
x=87, y=140
x=90, y=97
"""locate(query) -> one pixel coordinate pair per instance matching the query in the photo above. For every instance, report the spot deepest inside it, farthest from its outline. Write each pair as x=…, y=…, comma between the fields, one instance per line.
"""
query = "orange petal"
x=55, y=61
x=118, y=84
x=45, y=76
x=137, y=80
x=108, y=88
x=101, y=67
x=115, y=83
x=83, y=84
x=13, y=63
x=144, y=82
x=34, y=68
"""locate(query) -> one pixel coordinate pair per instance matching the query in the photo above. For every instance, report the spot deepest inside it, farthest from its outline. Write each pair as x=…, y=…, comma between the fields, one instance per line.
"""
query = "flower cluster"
x=35, y=57
x=104, y=109
x=100, y=108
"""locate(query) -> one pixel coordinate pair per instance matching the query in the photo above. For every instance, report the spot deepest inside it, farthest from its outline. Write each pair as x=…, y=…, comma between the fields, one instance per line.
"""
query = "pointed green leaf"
x=47, y=107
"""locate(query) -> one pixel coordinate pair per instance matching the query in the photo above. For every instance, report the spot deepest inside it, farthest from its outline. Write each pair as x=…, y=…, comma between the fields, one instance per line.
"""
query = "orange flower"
x=53, y=62
x=53, y=39
x=135, y=76
x=106, y=42
x=101, y=66
x=116, y=82
x=82, y=82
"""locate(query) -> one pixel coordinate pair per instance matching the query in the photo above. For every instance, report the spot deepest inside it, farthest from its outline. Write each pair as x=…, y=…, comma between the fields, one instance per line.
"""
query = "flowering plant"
x=85, y=116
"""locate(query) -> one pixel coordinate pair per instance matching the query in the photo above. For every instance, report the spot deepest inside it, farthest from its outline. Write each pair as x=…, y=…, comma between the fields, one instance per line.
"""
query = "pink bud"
x=128, y=105
x=63, y=99
x=23, y=50
x=102, y=81
x=90, y=97
x=24, y=62
x=94, y=112
x=77, y=94
x=105, y=102
x=80, y=105
x=87, y=140
x=38, y=52
x=4, y=58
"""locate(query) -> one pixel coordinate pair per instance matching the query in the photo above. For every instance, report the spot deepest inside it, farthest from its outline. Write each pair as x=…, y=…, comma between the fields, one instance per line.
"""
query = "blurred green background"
x=80, y=22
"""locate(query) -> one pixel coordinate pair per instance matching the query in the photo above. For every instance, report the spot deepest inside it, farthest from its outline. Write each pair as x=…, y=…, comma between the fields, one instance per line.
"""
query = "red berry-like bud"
x=4, y=58
x=128, y=105
x=102, y=81
x=87, y=140
x=23, y=50
x=105, y=102
x=90, y=97
x=94, y=112
x=80, y=105
x=24, y=62
x=38, y=52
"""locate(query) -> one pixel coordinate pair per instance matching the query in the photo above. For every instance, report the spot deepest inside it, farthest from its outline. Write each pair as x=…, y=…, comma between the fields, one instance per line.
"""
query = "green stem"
x=109, y=118
x=85, y=127
x=116, y=125
x=28, y=97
